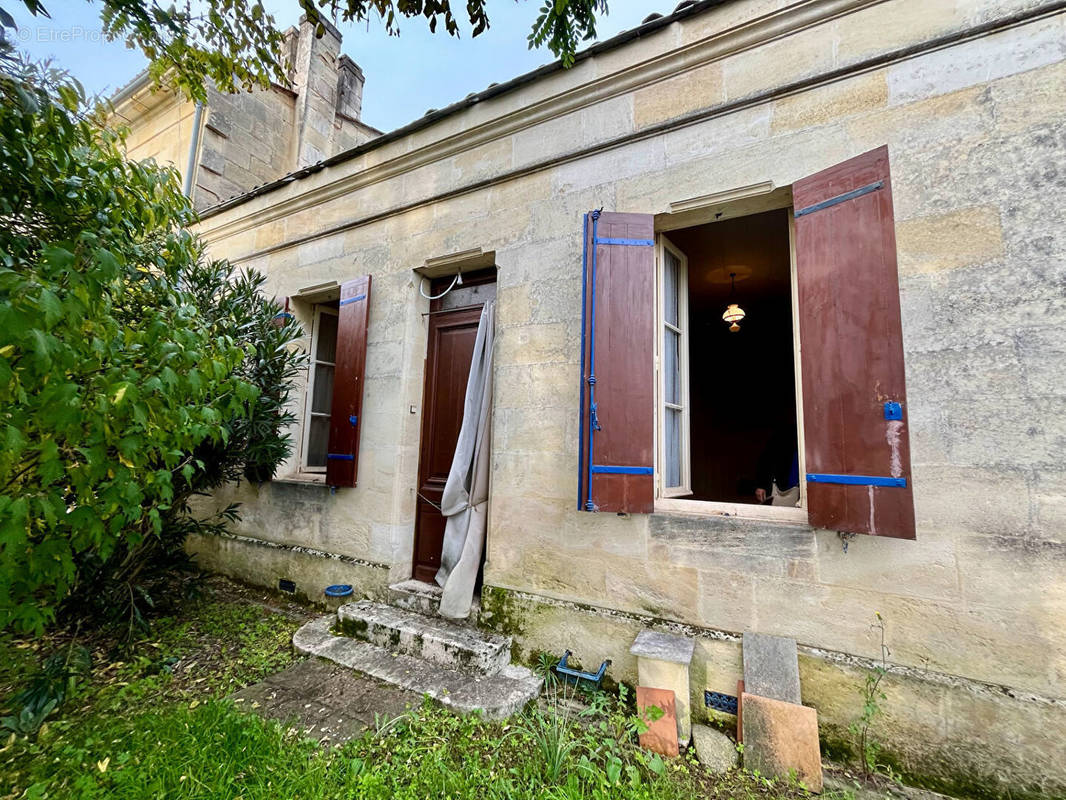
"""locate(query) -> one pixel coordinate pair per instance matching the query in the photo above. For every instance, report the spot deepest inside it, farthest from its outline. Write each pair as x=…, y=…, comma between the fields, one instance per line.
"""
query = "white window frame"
x=681, y=329
x=674, y=503
x=314, y=362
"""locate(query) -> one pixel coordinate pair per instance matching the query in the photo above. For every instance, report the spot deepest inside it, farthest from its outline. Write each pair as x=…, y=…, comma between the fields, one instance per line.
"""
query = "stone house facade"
x=237, y=142
x=929, y=136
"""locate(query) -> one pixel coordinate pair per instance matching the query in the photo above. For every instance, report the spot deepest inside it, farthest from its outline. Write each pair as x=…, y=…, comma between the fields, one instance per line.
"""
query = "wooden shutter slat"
x=342, y=456
x=618, y=377
x=854, y=395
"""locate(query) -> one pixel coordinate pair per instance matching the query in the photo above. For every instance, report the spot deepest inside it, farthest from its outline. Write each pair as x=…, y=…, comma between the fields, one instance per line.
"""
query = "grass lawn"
x=153, y=722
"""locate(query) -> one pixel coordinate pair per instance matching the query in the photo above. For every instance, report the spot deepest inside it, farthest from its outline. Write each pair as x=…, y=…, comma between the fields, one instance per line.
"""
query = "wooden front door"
x=451, y=346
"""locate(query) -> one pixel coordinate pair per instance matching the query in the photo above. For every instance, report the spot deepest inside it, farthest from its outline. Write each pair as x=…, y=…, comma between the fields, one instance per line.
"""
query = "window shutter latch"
x=593, y=419
x=354, y=420
x=893, y=411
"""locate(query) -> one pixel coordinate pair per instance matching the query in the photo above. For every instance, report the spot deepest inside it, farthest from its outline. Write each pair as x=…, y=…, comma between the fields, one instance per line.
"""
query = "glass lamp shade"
x=733, y=315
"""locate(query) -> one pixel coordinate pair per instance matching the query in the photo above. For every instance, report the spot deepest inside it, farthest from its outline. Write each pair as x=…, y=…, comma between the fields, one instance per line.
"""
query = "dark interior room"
x=742, y=383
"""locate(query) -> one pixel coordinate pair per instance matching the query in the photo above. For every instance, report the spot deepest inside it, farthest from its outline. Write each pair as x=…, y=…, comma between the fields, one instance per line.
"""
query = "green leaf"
x=50, y=306
x=57, y=257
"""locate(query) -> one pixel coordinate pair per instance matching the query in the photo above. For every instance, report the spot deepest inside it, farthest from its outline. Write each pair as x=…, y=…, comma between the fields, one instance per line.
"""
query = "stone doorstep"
x=496, y=696
x=424, y=598
x=431, y=638
x=412, y=595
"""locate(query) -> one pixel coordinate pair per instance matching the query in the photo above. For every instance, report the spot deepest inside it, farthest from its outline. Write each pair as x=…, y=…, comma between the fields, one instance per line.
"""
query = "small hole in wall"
x=287, y=586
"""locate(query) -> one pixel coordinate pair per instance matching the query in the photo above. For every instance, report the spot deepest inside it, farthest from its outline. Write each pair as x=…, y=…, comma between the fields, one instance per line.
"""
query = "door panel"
x=452, y=335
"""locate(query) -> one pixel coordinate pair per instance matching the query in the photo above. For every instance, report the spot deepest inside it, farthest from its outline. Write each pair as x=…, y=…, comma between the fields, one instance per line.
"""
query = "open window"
x=727, y=419
x=321, y=370
x=337, y=318
x=675, y=473
x=758, y=369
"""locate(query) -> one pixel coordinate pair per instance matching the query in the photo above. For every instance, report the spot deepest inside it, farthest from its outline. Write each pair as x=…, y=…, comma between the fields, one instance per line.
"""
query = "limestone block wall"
x=251, y=138
x=967, y=96
x=247, y=142
x=160, y=127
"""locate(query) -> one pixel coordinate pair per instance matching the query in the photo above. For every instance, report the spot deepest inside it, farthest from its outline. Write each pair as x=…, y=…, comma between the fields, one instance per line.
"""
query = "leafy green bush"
x=137, y=577
x=128, y=380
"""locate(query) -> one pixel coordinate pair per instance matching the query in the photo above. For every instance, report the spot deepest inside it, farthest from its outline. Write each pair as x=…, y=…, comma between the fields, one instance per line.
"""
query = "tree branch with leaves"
x=236, y=44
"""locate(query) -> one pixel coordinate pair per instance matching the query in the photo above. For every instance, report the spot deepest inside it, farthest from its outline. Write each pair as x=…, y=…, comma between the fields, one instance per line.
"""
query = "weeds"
x=157, y=724
x=544, y=667
x=872, y=697
x=47, y=689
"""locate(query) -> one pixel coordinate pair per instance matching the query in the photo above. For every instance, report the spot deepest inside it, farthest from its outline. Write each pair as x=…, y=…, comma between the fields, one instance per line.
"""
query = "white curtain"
x=466, y=494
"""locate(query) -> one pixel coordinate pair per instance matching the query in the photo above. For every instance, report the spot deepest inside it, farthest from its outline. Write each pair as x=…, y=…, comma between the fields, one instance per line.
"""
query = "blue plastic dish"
x=338, y=590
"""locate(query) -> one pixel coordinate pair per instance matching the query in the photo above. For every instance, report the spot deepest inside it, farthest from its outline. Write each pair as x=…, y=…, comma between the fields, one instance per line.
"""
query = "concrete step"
x=412, y=595
x=495, y=696
x=431, y=638
x=424, y=598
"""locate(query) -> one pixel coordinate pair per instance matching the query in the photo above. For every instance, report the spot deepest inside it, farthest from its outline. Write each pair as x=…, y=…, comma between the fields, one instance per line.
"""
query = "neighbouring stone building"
x=237, y=142
x=875, y=183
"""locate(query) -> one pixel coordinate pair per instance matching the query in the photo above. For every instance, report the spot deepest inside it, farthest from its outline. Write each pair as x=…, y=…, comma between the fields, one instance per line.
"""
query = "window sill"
x=703, y=508
x=302, y=479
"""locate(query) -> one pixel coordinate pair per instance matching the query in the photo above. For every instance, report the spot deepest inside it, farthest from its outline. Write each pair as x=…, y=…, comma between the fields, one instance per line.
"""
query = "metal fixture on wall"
x=456, y=281
x=734, y=313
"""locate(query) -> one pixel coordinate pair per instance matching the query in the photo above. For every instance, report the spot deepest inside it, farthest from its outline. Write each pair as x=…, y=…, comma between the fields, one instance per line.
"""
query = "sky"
x=406, y=75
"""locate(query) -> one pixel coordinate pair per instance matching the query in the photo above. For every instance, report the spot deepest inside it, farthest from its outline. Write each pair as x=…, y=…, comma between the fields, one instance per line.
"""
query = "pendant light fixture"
x=734, y=313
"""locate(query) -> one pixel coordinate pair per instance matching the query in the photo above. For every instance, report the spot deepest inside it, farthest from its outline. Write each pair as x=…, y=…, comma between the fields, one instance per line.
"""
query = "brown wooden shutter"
x=617, y=435
x=854, y=400
x=284, y=314
x=342, y=456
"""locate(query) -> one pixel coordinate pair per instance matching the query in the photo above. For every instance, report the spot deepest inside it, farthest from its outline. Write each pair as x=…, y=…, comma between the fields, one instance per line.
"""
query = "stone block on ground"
x=771, y=667
x=663, y=663
x=663, y=647
x=661, y=736
x=781, y=739
x=716, y=751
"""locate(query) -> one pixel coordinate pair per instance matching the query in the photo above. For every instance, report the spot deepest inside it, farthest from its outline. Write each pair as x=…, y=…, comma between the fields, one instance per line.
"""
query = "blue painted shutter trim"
x=617, y=407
